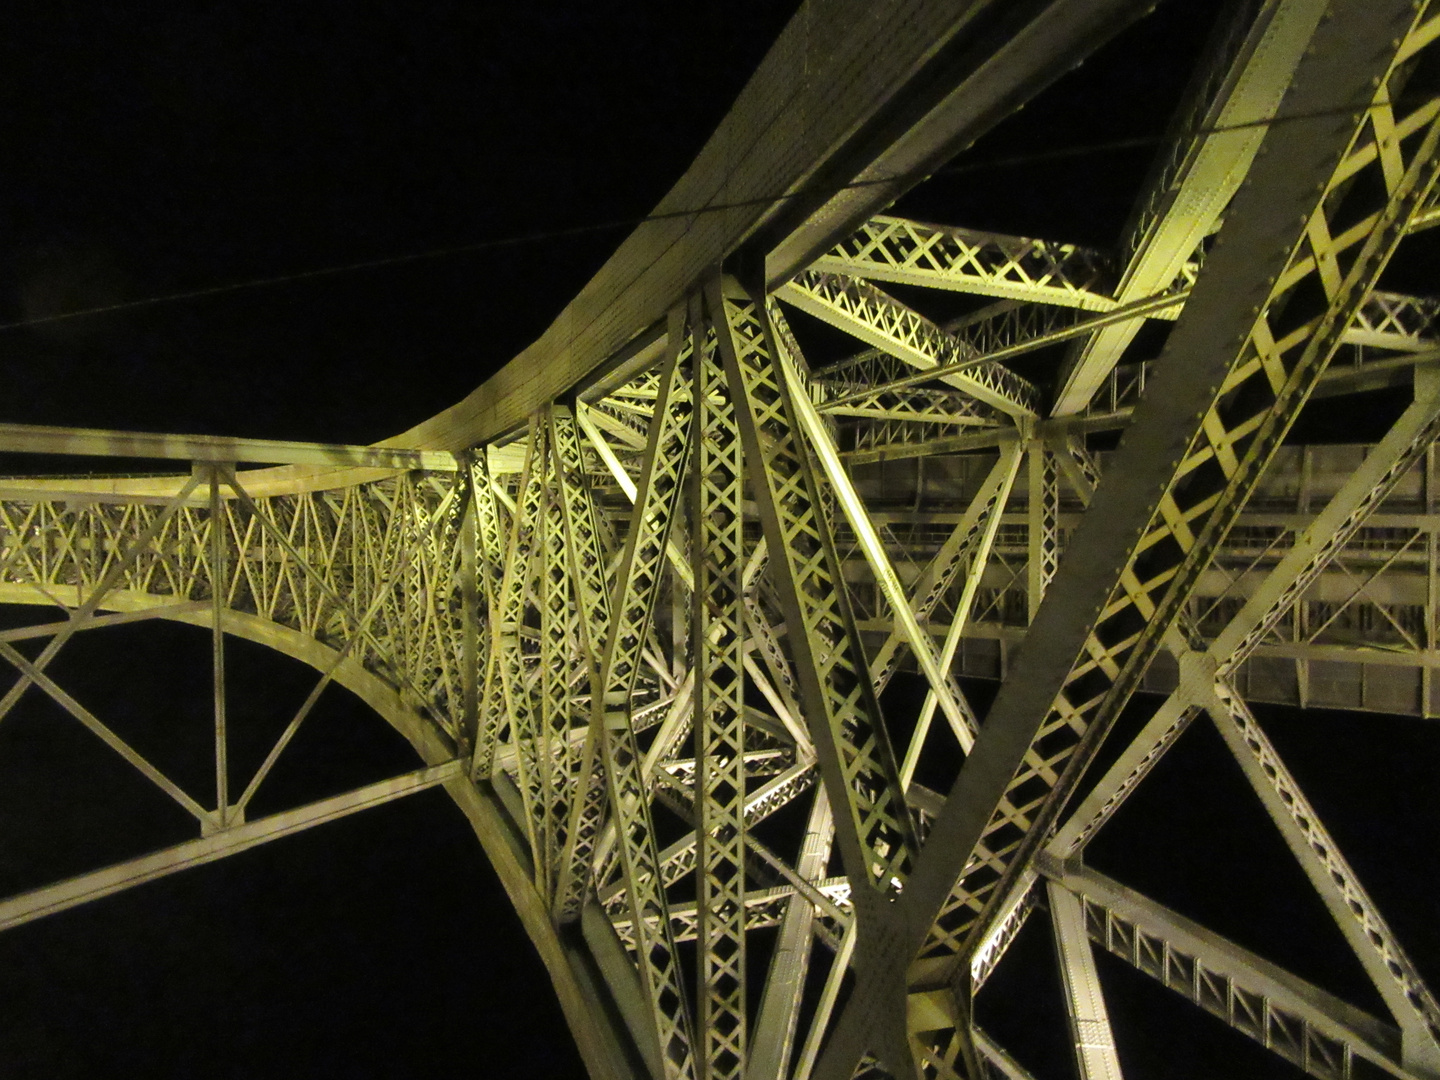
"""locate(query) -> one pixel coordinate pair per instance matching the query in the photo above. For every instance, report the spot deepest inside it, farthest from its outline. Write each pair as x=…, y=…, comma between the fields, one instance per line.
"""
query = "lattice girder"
x=652, y=627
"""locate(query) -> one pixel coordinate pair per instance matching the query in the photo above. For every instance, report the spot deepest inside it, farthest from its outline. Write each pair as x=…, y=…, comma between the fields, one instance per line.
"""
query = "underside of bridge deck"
x=841, y=599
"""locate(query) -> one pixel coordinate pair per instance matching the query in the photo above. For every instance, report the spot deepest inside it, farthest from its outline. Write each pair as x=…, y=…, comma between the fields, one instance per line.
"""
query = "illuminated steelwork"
x=639, y=593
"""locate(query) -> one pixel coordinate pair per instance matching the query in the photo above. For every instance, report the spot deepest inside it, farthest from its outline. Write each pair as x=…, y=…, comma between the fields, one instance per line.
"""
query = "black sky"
x=159, y=148
x=154, y=148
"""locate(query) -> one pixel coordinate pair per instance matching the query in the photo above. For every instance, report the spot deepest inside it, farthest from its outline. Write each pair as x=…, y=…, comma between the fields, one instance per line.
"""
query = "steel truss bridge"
x=634, y=601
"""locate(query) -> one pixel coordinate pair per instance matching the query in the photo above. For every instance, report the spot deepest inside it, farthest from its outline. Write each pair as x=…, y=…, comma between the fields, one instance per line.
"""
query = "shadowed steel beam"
x=1001, y=1062
x=825, y=1008
x=113, y=879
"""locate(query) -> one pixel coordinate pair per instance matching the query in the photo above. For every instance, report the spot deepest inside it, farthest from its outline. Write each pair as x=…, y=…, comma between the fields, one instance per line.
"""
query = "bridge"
x=786, y=689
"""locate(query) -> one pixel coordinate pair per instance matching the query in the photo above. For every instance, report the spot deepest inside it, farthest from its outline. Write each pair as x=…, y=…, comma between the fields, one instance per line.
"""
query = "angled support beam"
x=113, y=571
x=1162, y=305
x=1242, y=360
x=306, y=570
x=1004, y=473
x=99, y=622
x=807, y=1058
x=357, y=634
x=229, y=841
x=946, y=691
x=574, y=619
x=1371, y=940
x=1316, y=547
x=1230, y=452
x=965, y=552
x=878, y=319
x=877, y=838
x=611, y=752
x=1202, y=168
x=1296, y=1020
x=1043, y=527
x=32, y=672
x=776, y=681
x=779, y=1018
x=679, y=858
x=1003, y=1066
x=1066, y=456
x=908, y=252
x=505, y=695
x=647, y=546
x=1374, y=944
x=679, y=563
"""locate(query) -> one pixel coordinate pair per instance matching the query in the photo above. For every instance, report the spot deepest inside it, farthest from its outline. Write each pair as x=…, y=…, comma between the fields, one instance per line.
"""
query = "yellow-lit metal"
x=642, y=600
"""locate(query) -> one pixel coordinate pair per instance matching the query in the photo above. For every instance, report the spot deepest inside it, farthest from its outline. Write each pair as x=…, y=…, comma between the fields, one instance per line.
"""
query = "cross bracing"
x=639, y=600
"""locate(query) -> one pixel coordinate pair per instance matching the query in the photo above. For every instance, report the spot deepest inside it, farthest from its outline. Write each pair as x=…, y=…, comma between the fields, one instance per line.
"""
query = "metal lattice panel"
x=680, y=638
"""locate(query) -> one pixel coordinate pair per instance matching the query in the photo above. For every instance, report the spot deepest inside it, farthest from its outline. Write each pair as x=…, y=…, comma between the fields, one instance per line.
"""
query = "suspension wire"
x=546, y=235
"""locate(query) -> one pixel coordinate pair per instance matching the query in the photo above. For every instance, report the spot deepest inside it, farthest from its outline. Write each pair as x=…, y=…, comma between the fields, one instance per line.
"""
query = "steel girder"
x=645, y=637
x=1175, y=491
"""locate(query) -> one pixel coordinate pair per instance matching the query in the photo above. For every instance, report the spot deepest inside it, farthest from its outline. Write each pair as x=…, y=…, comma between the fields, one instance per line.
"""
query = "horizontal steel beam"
x=96, y=442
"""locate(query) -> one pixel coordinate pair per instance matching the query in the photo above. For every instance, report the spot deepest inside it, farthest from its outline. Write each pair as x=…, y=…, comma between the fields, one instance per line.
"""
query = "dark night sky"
x=163, y=150
x=175, y=147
